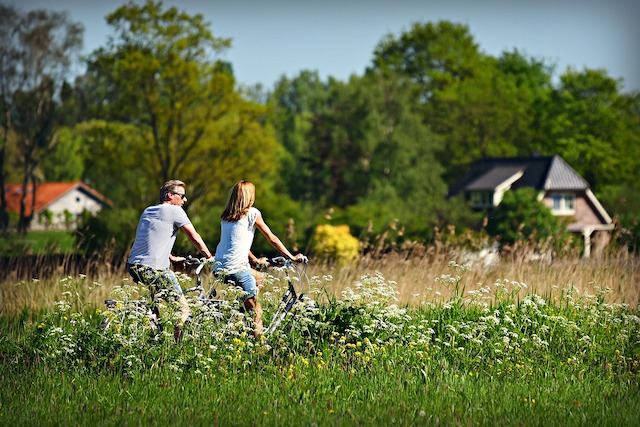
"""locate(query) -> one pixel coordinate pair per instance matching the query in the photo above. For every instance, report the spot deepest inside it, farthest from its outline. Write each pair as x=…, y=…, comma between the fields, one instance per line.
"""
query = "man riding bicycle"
x=150, y=256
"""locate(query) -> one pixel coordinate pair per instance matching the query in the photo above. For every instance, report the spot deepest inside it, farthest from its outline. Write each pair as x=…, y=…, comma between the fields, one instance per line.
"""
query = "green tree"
x=433, y=55
x=498, y=112
x=595, y=128
x=67, y=161
x=293, y=104
x=159, y=76
x=366, y=145
x=520, y=216
x=37, y=50
x=479, y=105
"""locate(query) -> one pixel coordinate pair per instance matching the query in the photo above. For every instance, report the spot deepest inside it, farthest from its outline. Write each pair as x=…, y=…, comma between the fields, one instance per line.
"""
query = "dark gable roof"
x=541, y=173
x=561, y=176
x=494, y=177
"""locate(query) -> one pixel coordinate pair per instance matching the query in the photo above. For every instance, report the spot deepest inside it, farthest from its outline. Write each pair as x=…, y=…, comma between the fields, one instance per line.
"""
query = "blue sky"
x=337, y=38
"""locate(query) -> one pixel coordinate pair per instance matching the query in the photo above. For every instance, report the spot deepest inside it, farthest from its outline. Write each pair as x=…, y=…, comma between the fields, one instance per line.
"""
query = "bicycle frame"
x=290, y=297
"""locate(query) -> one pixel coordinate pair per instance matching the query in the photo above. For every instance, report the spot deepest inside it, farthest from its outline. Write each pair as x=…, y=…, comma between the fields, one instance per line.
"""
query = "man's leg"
x=185, y=312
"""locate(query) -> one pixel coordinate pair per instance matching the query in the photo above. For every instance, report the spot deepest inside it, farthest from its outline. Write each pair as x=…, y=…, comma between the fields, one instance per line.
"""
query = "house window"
x=564, y=203
x=481, y=199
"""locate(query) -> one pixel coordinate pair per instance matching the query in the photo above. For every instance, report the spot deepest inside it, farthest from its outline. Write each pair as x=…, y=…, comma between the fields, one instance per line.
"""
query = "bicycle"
x=296, y=282
x=208, y=311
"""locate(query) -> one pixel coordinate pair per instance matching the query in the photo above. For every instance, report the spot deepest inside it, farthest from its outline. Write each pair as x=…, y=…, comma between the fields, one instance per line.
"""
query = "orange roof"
x=46, y=193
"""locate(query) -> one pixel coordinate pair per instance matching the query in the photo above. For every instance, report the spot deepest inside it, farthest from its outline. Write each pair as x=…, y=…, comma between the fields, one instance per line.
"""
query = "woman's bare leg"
x=250, y=304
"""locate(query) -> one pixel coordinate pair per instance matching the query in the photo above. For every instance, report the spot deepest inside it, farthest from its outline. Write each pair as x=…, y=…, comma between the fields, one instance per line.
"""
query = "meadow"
x=392, y=340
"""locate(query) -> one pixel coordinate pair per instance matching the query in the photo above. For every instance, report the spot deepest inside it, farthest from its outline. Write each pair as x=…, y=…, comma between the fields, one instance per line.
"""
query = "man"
x=150, y=256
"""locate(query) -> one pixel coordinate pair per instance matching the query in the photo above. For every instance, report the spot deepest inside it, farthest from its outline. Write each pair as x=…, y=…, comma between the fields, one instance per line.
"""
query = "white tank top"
x=232, y=253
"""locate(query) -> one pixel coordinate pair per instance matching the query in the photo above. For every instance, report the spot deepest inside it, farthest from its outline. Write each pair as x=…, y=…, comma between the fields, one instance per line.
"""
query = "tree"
x=293, y=104
x=362, y=143
x=596, y=128
x=37, y=49
x=158, y=76
x=520, y=216
x=433, y=55
x=500, y=111
x=479, y=105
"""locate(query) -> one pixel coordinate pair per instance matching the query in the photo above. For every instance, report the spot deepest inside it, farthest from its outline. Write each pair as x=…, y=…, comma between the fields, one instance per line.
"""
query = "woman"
x=233, y=254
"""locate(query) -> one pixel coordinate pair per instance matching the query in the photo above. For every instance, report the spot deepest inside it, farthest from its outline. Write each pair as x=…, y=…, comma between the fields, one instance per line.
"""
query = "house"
x=560, y=188
x=58, y=205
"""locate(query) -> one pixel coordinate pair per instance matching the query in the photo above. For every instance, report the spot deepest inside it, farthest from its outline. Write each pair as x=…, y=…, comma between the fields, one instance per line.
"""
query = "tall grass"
x=414, y=276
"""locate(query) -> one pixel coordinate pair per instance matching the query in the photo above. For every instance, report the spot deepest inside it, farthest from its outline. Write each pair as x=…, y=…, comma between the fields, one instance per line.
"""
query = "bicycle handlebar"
x=281, y=261
x=278, y=261
x=191, y=260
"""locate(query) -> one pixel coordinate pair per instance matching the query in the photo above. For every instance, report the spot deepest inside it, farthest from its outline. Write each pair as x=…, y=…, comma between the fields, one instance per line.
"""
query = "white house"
x=559, y=187
x=58, y=205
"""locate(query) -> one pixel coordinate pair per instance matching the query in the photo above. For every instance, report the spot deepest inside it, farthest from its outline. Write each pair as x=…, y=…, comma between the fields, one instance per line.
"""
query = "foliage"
x=433, y=55
x=110, y=231
x=359, y=145
x=68, y=161
x=335, y=243
x=159, y=76
x=595, y=128
x=37, y=49
x=292, y=104
x=521, y=216
x=159, y=102
x=38, y=243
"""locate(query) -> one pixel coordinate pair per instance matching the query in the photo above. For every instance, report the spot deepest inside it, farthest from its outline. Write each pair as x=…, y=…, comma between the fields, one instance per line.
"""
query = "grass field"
x=387, y=342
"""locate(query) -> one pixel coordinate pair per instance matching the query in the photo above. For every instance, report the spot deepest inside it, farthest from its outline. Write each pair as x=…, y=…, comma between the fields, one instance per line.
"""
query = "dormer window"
x=564, y=203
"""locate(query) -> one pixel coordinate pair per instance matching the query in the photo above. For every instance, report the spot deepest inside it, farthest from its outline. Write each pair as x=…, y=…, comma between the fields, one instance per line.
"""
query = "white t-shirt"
x=156, y=234
x=232, y=253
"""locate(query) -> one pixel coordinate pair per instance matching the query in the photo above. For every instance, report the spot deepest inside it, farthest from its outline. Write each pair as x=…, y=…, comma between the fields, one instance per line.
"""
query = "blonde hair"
x=241, y=198
x=169, y=187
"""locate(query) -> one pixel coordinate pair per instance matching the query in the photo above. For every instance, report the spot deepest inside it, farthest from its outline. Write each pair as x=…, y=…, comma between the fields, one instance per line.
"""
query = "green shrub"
x=520, y=216
x=335, y=243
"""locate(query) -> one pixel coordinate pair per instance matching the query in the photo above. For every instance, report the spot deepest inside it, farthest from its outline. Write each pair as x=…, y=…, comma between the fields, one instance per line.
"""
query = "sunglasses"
x=183, y=196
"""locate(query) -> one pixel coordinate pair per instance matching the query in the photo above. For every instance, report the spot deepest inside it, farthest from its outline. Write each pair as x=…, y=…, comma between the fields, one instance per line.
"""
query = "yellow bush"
x=336, y=243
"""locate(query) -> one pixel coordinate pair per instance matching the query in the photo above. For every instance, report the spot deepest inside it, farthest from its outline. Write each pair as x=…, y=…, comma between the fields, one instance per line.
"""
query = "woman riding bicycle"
x=233, y=254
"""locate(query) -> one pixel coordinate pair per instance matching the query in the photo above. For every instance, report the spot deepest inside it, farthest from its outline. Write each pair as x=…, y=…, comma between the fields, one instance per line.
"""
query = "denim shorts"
x=243, y=279
x=157, y=280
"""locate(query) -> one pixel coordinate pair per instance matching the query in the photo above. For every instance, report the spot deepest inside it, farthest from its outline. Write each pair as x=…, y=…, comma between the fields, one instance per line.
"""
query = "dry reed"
x=415, y=277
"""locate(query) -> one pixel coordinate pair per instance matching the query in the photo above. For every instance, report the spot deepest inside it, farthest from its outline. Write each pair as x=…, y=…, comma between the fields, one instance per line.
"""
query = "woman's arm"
x=274, y=240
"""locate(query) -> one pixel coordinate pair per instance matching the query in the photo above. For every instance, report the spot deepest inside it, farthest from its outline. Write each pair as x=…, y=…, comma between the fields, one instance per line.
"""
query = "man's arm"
x=197, y=241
